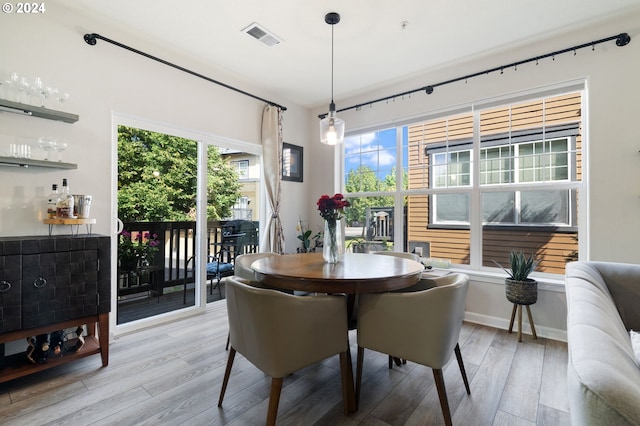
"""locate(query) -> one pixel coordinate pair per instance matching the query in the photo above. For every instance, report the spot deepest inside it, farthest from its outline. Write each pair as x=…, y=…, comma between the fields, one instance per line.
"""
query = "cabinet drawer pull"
x=39, y=282
x=5, y=286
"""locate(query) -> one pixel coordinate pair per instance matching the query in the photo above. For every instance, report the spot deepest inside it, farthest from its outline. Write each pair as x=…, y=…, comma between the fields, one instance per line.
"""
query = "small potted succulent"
x=519, y=288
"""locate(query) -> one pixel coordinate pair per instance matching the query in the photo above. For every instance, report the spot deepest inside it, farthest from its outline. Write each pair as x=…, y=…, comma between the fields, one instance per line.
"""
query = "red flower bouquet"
x=331, y=208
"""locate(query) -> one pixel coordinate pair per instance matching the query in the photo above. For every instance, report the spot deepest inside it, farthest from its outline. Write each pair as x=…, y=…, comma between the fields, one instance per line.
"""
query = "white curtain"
x=273, y=238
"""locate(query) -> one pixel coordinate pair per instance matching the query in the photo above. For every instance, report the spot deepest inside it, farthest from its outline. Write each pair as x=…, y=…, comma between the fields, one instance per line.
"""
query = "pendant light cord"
x=332, y=62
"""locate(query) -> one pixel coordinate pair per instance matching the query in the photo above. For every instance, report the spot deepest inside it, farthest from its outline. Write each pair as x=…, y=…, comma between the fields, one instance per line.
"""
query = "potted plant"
x=136, y=249
x=519, y=288
x=304, y=235
x=356, y=245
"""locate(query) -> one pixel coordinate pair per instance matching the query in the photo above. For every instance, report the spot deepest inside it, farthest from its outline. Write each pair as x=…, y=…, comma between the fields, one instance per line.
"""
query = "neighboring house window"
x=242, y=167
x=530, y=161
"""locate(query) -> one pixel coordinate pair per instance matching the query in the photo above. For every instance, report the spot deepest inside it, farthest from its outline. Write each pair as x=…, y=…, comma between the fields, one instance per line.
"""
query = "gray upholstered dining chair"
x=243, y=270
x=420, y=285
x=263, y=331
x=243, y=266
x=421, y=326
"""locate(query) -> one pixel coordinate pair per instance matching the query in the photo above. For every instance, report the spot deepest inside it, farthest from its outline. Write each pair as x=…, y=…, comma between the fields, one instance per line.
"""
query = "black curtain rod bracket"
x=92, y=38
x=621, y=39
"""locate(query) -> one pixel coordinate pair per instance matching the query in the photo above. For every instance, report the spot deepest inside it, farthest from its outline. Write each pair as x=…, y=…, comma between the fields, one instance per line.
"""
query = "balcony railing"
x=174, y=262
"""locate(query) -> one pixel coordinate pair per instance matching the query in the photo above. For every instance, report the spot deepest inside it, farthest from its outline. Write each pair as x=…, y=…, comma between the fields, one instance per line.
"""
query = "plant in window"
x=519, y=288
x=521, y=266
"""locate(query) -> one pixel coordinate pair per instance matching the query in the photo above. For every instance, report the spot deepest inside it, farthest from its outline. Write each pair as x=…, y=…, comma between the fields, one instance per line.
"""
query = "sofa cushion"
x=603, y=375
x=635, y=344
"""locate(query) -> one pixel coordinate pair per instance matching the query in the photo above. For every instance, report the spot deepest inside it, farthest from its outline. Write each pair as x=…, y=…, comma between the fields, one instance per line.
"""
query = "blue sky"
x=376, y=150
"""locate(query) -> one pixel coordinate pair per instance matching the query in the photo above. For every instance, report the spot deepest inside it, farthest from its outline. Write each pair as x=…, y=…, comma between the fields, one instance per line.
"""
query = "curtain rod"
x=621, y=39
x=91, y=40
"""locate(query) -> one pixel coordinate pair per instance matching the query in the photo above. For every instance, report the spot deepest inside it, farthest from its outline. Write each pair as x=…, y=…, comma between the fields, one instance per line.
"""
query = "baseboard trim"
x=503, y=324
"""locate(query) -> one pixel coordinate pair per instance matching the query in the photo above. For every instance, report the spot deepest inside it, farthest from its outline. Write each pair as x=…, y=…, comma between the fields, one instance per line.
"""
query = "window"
x=497, y=177
x=242, y=167
x=526, y=162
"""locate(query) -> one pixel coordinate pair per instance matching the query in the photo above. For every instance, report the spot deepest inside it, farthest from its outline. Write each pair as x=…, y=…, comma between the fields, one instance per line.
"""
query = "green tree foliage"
x=223, y=187
x=364, y=179
x=157, y=175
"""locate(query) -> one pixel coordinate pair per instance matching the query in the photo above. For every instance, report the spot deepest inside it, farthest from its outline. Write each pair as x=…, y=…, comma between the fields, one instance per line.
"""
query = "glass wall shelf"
x=28, y=162
x=36, y=111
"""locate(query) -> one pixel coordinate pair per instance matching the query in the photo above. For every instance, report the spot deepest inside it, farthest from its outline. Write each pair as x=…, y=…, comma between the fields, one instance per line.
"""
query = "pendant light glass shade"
x=331, y=128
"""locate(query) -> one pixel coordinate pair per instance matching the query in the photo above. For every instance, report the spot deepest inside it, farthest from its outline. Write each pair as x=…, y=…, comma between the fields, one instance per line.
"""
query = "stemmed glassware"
x=21, y=85
x=60, y=146
x=39, y=90
x=62, y=97
x=47, y=144
x=12, y=85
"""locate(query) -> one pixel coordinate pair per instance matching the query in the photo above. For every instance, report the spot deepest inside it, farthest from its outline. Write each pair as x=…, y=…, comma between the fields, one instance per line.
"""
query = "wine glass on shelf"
x=17, y=86
x=25, y=90
x=39, y=89
x=52, y=95
x=12, y=84
x=62, y=98
x=60, y=146
x=46, y=144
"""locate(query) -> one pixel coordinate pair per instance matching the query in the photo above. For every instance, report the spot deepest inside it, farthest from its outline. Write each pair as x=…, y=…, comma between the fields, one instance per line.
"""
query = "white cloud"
x=371, y=153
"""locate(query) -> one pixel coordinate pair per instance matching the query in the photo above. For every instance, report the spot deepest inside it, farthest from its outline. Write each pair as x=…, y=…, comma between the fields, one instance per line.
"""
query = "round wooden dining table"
x=358, y=273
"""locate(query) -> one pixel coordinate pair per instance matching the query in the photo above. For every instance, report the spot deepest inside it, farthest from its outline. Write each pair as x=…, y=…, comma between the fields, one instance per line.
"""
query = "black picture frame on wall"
x=292, y=162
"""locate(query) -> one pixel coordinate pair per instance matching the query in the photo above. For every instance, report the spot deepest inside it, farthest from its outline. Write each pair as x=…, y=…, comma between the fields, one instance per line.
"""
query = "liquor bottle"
x=64, y=206
x=52, y=202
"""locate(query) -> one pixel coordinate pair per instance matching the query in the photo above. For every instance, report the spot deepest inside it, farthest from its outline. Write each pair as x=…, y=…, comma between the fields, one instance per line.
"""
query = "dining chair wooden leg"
x=398, y=361
x=359, y=362
x=274, y=400
x=227, y=373
x=442, y=394
x=226, y=348
x=462, y=369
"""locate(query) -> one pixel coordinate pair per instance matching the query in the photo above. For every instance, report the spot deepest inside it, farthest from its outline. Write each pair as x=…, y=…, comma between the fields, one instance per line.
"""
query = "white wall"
x=611, y=73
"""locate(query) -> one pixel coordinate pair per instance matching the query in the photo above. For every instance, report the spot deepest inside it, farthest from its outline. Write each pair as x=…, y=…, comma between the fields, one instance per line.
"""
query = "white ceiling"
x=371, y=47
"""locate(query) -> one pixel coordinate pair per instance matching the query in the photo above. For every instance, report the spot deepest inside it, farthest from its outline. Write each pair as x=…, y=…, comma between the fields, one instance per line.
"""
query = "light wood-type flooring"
x=171, y=375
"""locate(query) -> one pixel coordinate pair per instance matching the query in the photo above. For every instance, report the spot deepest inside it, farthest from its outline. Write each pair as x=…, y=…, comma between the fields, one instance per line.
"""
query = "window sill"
x=486, y=277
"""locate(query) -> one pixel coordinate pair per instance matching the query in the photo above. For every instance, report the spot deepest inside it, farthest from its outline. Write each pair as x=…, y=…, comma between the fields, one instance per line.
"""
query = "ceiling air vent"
x=262, y=34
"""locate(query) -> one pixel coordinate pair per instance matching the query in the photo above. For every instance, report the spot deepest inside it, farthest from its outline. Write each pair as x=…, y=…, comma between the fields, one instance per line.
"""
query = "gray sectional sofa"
x=603, y=301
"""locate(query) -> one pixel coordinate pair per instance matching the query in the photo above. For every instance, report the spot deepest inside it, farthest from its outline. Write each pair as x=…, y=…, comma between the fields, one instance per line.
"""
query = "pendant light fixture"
x=331, y=127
